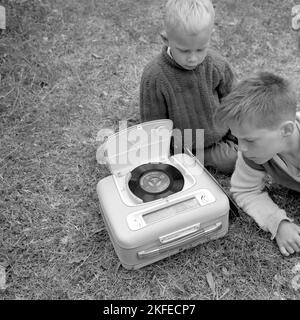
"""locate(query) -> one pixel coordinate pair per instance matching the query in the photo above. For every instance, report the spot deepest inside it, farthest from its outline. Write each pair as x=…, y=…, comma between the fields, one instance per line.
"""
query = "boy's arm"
x=227, y=81
x=246, y=187
x=152, y=101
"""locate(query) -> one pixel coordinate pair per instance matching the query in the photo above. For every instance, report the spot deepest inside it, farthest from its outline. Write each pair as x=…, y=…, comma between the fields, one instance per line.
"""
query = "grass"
x=69, y=68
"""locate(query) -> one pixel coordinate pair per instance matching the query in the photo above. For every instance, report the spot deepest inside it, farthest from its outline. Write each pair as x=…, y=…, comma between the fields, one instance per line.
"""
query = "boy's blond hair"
x=188, y=15
x=265, y=100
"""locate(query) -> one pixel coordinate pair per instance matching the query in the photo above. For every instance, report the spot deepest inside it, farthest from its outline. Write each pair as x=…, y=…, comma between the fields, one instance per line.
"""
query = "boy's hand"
x=288, y=238
x=296, y=17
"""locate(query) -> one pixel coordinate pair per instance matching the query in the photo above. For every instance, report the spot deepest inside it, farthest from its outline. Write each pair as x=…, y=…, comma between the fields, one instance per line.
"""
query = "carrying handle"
x=234, y=208
x=203, y=232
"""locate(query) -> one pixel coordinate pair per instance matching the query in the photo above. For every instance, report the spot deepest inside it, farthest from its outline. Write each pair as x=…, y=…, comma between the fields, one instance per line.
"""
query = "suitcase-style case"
x=145, y=232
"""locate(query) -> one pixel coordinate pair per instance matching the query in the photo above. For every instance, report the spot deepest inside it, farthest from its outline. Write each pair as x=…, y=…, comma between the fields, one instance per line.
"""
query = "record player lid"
x=139, y=144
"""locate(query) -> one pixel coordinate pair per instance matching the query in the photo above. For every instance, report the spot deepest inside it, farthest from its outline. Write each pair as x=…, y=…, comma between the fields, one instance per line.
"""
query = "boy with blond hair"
x=187, y=80
x=261, y=113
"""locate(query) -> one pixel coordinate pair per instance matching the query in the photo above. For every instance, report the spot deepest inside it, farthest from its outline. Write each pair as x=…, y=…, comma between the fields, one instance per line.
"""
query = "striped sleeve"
x=247, y=189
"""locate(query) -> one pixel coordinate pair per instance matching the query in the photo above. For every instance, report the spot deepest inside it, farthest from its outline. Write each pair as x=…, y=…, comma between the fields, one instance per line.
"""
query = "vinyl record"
x=152, y=181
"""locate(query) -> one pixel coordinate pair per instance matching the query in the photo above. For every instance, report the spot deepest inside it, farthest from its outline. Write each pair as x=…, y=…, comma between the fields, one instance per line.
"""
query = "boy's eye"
x=247, y=141
x=188, y=51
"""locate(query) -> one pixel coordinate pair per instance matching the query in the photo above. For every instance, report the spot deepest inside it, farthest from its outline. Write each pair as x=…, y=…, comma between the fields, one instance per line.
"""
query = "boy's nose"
x=192, y=58
x=242, y=147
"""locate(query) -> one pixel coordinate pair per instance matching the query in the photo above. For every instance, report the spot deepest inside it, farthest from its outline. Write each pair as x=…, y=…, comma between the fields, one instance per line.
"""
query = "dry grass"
x=69, y=68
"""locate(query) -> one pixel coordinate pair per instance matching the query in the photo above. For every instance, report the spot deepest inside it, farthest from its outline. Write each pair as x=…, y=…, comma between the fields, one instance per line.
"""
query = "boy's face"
x=258, y=145
x=189, y=50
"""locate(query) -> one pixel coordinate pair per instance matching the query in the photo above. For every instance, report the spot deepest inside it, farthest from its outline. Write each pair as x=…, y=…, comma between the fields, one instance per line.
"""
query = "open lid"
x=139, y=144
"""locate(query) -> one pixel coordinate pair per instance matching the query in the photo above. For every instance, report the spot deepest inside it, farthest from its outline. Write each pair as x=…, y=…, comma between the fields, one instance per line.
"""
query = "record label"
x=152, y=181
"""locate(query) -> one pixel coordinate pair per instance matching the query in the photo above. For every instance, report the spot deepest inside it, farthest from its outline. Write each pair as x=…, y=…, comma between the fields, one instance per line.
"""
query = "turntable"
x=153, y=204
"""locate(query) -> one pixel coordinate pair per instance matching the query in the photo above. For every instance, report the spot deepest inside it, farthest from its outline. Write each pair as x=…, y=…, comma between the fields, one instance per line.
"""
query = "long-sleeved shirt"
x=188, y=97
x=247, y=183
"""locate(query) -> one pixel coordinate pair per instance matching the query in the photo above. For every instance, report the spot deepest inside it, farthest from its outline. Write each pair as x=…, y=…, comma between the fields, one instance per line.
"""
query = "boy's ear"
x=164, y=37
x=287, y=128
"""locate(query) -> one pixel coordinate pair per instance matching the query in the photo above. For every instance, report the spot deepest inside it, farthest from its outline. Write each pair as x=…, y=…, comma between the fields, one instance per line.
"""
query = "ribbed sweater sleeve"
x=227, y=80
x=246, y=187
x=152, y=99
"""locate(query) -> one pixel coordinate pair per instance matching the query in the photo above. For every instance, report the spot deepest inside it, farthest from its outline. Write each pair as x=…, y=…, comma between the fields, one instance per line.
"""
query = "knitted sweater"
x=188, y=97
x=247, y=185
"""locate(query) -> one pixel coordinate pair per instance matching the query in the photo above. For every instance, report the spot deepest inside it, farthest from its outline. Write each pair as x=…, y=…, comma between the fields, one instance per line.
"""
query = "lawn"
x=69, y=68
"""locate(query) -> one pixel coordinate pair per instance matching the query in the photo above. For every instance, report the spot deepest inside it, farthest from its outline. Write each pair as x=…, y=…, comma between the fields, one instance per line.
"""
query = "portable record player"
x=153, y=204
